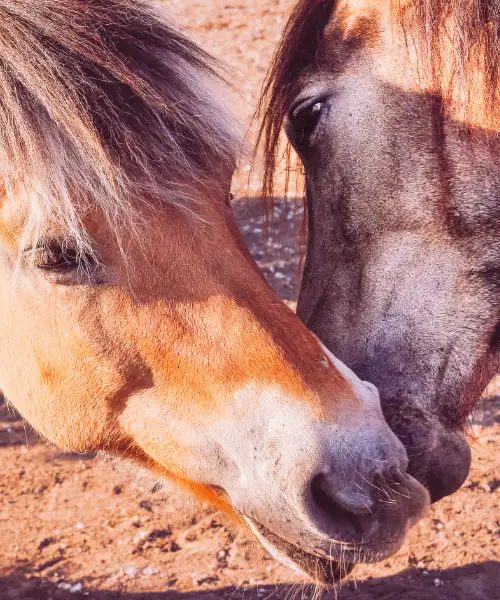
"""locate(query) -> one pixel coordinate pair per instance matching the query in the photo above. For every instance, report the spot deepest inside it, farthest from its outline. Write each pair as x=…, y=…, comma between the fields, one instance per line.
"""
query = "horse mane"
x=105, y=102
x=458, y=42
x=296, y=50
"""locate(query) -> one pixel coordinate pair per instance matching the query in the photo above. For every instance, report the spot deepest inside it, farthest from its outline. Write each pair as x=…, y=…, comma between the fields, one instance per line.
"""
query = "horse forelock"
x=457, y=41
x=107, y=103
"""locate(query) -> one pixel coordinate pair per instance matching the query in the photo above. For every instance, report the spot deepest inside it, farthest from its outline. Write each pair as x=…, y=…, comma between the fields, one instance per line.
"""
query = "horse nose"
x=348, y=507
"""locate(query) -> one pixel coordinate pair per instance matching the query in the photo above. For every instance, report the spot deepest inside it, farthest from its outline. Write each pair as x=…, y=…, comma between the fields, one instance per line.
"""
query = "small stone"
x=64, y=586
x=170, y=547
x=494, y=484
x=140, y=536
x=204, y=579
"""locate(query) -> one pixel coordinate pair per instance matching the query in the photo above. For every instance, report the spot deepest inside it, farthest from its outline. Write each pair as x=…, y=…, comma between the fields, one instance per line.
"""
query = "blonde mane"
x=103, y=102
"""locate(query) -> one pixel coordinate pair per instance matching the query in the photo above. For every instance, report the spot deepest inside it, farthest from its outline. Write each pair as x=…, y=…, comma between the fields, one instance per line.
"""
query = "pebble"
x=70, y=587
x=140, y=536
x=64, y=586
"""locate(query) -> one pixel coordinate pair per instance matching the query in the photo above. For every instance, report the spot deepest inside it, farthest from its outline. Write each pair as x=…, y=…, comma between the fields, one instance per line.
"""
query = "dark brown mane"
x=458, y=41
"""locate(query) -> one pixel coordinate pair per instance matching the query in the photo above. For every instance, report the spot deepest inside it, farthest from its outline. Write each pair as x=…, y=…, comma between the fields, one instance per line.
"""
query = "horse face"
x=173, y=352
x=402, y=271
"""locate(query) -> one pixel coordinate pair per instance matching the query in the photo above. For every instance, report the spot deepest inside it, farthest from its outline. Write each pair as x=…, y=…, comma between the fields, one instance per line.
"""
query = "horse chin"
x=320, y=569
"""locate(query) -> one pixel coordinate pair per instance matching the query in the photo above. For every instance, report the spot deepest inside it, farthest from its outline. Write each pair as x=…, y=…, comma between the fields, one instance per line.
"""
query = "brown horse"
x=132, y=318
x=393, y=108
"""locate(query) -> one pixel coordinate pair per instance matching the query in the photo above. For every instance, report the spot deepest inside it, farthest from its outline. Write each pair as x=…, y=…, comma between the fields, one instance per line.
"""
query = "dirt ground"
x=75, y=527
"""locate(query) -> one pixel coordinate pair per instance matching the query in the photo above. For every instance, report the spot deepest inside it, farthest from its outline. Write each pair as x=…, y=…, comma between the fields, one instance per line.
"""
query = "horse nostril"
x=357, y=496
x=355, y=500
x=339, y=509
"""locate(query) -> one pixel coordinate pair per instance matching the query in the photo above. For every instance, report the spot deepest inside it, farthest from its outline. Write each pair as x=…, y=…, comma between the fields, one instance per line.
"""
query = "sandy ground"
x=74, y=527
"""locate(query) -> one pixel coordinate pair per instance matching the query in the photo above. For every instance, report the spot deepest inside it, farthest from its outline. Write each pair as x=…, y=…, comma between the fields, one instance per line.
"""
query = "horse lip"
x=318, y=567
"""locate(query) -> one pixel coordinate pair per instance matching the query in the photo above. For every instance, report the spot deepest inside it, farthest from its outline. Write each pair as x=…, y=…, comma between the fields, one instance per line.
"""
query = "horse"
x=393, y=110
x=133, y=319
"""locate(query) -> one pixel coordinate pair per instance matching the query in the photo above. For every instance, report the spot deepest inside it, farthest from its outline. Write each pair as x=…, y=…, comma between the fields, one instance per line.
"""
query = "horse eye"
x=304, y=119
x=60, y=258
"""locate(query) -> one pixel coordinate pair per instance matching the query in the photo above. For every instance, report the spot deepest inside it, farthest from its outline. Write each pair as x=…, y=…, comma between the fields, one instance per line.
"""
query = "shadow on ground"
x=477, y=581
